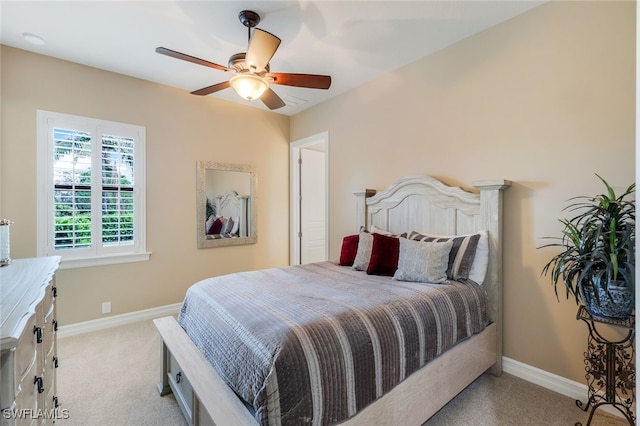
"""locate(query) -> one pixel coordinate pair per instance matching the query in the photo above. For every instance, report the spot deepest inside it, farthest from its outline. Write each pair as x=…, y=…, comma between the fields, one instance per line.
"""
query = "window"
x=91, y=198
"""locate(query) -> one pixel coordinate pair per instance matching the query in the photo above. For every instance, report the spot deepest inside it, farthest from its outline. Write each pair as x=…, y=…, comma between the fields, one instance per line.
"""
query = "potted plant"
x=597, y=259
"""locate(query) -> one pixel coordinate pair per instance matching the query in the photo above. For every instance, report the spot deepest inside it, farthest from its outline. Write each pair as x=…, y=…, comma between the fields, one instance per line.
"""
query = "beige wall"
x=180, y=129
x=546, y=100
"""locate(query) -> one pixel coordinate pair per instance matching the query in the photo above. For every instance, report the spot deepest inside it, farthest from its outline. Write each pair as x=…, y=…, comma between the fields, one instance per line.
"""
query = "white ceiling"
x=352, y=41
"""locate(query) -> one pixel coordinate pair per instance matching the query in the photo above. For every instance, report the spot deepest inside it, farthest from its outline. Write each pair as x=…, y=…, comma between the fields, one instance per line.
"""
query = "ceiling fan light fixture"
x=249, y=86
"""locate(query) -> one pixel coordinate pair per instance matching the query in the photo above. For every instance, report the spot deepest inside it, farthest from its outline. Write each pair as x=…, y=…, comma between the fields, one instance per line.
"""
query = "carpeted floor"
x=109, y=378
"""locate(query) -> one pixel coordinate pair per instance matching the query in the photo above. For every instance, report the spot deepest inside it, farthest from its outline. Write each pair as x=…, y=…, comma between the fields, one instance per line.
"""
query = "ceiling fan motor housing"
x=249, y=18
x=237, y=62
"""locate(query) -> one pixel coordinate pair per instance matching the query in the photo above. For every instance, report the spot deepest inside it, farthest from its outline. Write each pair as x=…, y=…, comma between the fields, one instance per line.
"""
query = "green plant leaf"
x=597, y=244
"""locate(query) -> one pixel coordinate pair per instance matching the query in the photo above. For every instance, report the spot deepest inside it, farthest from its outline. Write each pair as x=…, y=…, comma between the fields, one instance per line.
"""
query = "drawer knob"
x=38, y=332
x=178, y=377
x=56, y=404
x=38, y=381
x=54, y=292
x=55, y=325
x=55, y=362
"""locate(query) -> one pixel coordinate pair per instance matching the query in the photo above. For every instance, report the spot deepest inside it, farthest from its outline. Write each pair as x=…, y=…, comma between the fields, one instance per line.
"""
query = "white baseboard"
x=563, y=386
x=116, y=320
x=545, y=379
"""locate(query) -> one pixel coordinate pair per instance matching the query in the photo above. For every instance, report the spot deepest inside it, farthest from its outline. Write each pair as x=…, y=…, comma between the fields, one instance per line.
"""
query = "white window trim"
x=74, y=258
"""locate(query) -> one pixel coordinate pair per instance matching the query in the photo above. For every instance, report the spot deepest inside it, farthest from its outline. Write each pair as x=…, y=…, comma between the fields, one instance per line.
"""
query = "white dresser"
x=28, y=353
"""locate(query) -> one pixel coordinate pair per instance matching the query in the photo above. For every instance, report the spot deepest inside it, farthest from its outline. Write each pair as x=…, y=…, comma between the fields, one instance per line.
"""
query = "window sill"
x=104, y=260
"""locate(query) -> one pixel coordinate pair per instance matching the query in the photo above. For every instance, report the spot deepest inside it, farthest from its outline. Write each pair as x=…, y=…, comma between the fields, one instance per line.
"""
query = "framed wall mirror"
x=226, y=204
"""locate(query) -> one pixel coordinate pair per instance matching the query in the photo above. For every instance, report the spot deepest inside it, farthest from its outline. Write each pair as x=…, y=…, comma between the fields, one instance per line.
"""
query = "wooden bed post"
x=362, y=219
x=491, y=217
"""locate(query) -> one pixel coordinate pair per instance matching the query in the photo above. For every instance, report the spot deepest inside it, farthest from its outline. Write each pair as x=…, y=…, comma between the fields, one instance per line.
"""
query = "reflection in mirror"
x=226, y=204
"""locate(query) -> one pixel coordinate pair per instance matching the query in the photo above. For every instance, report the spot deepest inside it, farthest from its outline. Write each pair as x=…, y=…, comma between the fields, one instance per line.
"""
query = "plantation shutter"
x=72, y=189
x=117, y=190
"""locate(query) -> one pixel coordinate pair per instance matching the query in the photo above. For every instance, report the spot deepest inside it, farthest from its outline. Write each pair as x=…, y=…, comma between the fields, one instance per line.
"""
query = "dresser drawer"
x=8, y=382
x=27, y=396
x=27, y=348
x=181, y=388
x=49, y=331
x=47, y=300
x=50, y=379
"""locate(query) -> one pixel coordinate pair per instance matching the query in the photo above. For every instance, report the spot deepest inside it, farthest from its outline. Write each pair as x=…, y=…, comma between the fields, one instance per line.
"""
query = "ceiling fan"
x=252, y=75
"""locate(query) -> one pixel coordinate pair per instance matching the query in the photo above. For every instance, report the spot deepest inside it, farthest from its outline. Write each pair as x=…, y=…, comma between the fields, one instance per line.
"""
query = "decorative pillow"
x=228, y=225
x=462, y=253
x=375, y=230
x=349, y=250
x=363, y=254
x=384, y=255
x=224, y=221
x=209, y=222
x=216, y=226
x=478, y=271
x=424, y=262
x=236, y=225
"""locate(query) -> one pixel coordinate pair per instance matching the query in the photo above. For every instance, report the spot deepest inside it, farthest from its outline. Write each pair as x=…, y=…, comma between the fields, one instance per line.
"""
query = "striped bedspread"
x=314, y=344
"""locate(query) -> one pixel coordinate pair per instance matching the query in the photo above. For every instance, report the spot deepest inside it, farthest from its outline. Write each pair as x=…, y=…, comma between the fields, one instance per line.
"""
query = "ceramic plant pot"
x=616, y=302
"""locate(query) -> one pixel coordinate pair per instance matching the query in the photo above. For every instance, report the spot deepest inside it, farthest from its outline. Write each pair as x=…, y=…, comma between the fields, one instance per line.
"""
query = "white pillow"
x=480, y=264
x=375, y=230
x=236, y=225
x=424, y=262
x=208, y=223
x=365, y=244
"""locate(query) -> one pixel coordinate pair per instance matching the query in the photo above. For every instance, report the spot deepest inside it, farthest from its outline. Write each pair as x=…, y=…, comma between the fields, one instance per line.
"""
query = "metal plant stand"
x=610, y=367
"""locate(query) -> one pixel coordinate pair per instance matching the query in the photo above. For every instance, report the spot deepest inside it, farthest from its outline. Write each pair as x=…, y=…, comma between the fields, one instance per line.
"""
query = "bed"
x=419, y=385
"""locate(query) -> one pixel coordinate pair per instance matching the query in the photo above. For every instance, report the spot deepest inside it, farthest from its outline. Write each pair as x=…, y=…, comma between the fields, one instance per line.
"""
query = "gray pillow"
x=228, y=225
x=424, y=262
x=365, y=244
x=462, y=252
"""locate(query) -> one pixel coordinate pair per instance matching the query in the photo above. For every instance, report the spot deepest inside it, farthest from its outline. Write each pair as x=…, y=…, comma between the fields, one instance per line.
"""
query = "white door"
x=312, y=206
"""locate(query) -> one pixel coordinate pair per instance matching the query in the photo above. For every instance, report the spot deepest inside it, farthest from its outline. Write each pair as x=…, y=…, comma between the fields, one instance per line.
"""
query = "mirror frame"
x=201, y=203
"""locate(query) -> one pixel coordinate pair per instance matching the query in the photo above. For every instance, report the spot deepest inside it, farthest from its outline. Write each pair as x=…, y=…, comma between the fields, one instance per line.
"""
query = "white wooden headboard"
x=425, y=204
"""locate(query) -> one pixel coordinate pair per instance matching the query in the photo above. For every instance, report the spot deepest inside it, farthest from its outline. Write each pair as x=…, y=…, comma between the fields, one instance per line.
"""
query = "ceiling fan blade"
x=311, y=81
x=271, y=99
x=261, y=49
x=189, y=58
x=211, y=89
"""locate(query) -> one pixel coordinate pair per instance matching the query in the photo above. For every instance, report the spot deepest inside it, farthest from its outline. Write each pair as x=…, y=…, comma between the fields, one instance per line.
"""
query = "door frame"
x=320, y=140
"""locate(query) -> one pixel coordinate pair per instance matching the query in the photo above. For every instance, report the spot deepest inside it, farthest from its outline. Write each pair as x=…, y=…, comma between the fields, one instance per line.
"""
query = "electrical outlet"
x=106, y=307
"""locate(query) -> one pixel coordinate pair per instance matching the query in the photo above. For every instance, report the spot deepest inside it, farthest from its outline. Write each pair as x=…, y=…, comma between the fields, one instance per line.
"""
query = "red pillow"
x=349, y=250
x=216, y=226
x=384, y=255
